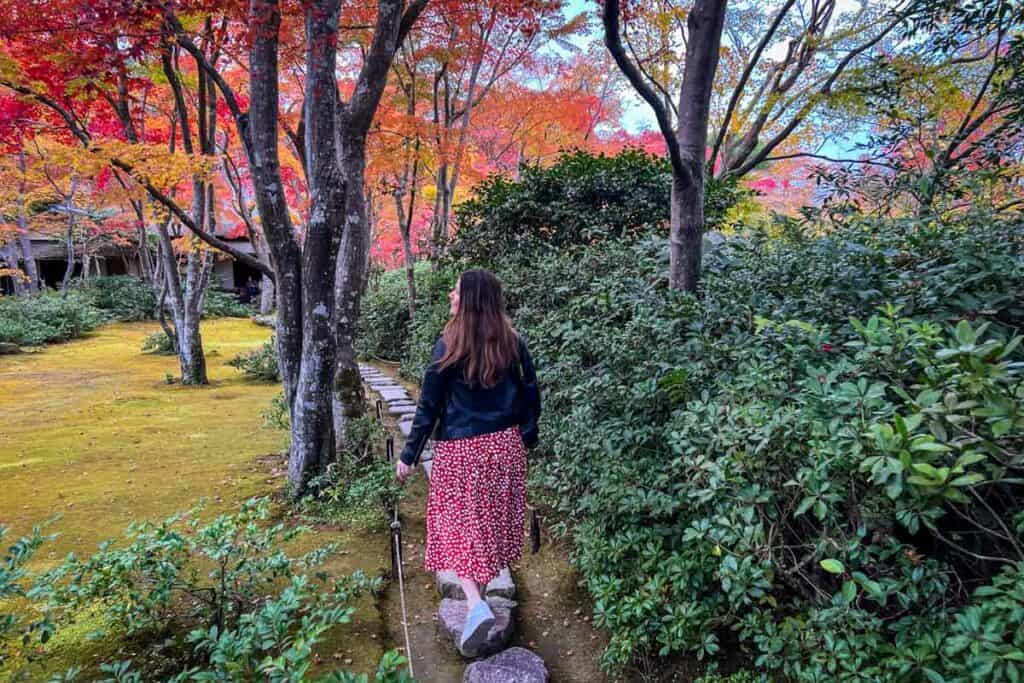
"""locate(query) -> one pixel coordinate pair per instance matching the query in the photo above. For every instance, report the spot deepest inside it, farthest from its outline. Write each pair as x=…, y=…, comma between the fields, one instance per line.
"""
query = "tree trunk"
x=704, y=24
x=312, y=446
x=687, y=233
x=31, y=270
x=190, y=348
x=686, y=145
x=9, y=256
x=405, y=227
x=441, y=206
x=69, y=239
x=266, y=295
x=349, y=398
x=308, y=312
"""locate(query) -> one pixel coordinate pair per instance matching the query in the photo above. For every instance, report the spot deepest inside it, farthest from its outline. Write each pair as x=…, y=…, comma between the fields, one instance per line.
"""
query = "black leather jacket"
x=459, y=410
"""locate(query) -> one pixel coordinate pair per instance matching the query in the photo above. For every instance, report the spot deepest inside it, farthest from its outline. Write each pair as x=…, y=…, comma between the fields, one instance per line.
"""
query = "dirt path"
x=554, y=616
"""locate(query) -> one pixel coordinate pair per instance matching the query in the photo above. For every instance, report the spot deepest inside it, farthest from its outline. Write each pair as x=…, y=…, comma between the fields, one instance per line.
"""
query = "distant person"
x=252, y=289
x=480, y=391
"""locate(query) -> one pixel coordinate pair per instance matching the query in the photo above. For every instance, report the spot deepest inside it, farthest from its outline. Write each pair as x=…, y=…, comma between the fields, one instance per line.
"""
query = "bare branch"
x=612, y=39
x=747, y=72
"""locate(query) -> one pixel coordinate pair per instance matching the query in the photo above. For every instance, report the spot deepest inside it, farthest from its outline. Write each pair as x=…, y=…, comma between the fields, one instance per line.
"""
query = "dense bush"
x=119, y=297
x=220, y=304
x=361, y=485
x=816, y=463
x=223, y=599
x=580, y=199
x=46, y=318
x=384, y=318
x=259, y=364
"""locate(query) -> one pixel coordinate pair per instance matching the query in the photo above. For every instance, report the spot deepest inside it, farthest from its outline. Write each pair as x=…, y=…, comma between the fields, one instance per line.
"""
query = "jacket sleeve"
x=433, y=393
x=529, y=426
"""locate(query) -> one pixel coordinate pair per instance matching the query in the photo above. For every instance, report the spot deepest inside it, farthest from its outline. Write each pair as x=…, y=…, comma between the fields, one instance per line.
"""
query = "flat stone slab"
x=405, y=427
x=514, y=665
x=402, y=410
x=451, y=618
x=401, y=403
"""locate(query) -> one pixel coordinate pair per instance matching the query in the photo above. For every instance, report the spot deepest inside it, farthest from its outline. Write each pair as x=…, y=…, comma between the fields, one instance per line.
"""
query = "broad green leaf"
x=832, y=566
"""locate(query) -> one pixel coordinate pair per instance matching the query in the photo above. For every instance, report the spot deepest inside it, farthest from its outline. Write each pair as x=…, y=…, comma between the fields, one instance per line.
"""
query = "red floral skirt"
x=477, y=505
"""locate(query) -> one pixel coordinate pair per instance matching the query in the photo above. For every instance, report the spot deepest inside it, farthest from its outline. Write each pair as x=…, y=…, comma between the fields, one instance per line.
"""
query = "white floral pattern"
x=476, y=508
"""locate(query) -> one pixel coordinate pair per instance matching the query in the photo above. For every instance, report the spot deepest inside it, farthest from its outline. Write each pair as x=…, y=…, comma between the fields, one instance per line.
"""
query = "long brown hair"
x=480, y=335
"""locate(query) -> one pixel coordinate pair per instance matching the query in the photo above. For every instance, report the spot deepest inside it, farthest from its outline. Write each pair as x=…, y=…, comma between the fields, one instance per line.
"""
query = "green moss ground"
x=91, y=430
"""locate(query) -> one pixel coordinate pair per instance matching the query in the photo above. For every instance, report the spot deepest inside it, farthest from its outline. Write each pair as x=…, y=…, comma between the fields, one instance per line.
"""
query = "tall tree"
x=319, y=281
x=686, y=143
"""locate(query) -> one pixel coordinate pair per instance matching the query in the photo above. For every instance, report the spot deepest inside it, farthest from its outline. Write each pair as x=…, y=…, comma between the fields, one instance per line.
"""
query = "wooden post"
x=394, y=556
x=380, y=410
x=534, y=532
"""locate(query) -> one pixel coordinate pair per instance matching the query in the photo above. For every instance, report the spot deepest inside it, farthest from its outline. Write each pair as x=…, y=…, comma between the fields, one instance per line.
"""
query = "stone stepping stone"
x=402, y=410
x=514, y=665
x=390, y=396
x=501, y=586
x=265, y=320
x=405, y=427
x=451, y=618
x=401, y=403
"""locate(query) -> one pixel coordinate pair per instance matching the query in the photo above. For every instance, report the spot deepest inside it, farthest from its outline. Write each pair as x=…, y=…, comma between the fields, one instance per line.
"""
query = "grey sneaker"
x=478, y=623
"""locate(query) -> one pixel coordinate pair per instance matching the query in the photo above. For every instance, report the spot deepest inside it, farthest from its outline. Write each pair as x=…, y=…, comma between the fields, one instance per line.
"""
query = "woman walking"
x=479, y=398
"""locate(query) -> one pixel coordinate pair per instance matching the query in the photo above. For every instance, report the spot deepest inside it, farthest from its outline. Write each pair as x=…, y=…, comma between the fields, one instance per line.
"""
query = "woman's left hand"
x=402, y=472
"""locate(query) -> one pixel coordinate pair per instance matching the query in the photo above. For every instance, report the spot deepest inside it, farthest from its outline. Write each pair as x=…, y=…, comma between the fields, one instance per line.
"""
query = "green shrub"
x=220, y=304
x=159, y=344
x=15, y=583
x=259, y=364
x=818, y=459
x=579, y=199
x=737, y=677
x=360, y=487
x=384, y=322
x=222, y=596
x=45, y=318
x=276, y=415
x=119, y=297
